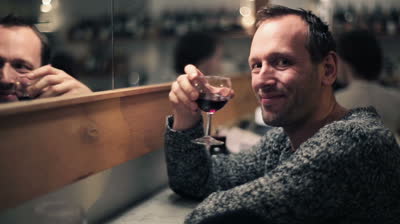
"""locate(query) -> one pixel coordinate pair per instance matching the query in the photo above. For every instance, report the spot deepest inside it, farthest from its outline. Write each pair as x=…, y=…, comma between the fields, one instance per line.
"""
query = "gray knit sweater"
x=347, y=172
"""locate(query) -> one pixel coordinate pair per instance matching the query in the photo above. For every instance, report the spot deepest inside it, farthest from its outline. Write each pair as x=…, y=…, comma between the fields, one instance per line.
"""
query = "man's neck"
x=301, y=132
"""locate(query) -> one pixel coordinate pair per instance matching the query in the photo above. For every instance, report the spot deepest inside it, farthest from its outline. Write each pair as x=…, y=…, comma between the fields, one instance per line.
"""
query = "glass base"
x=207, y=140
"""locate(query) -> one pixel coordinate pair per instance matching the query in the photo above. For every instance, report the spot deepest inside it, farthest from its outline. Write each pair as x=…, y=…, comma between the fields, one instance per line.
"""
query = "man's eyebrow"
x=22, y=61
x=273, y=55
x=280, y=55
x=251, y=60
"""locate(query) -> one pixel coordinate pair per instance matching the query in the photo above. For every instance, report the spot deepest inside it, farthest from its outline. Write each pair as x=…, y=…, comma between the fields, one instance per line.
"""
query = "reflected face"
x=284, y=78
x=20, y=53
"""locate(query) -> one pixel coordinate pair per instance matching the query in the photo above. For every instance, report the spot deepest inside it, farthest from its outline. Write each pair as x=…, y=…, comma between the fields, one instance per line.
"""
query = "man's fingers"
x=232, y=94
x=43, y=71
x=43, y=83
x=65, y=88
x=57, y=90
x=182, y=96
x=195, y=77
x=192, y=72
x=226, y=92
x=178, y=104
x=50, y=81
x=187, y=87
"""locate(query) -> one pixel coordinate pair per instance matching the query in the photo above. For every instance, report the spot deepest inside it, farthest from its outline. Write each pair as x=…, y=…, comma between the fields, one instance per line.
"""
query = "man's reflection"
x=24, y=65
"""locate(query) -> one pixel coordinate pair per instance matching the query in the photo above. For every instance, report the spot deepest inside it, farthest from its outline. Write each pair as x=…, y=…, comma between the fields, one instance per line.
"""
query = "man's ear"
x=330, y=66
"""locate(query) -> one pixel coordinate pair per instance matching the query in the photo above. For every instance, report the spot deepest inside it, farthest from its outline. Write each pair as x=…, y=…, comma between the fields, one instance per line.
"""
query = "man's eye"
x=256, y=66
x=282, y=63
x=21, y=67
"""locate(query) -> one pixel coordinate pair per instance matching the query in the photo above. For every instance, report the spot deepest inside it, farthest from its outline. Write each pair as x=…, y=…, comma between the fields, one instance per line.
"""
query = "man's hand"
x=48, y=81
x=182, y=96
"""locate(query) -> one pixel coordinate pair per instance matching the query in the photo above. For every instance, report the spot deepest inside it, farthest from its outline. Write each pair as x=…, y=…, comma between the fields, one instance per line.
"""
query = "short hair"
x=16, y=21
x=193, y=48
x=361, y=50
x=320, y=40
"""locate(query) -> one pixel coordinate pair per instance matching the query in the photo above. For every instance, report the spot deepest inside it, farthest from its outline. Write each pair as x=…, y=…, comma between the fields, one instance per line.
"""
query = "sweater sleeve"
x=325, y=179
x=193, y=172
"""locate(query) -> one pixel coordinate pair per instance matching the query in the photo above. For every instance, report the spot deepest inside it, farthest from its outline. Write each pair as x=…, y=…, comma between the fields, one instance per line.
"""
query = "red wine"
x=211, y=106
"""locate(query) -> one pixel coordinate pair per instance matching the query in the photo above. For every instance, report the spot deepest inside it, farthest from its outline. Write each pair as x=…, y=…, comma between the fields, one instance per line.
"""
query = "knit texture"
x=347, y=172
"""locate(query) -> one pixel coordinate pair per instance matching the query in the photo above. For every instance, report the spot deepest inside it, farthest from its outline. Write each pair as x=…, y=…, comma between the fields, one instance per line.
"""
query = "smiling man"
x=24, y=59
x=321, y=164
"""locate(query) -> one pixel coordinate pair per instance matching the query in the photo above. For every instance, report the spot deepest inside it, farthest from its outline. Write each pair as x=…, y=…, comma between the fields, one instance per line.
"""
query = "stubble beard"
x=276, y=119
x=293, y=113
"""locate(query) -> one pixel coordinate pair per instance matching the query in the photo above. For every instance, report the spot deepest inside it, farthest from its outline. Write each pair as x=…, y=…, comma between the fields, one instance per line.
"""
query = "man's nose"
x=7, y=74
x=266, y=76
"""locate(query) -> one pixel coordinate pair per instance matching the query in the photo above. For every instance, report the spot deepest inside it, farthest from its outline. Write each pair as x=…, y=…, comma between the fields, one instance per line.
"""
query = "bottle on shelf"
x=378, y=21
x=362, y=18
x=392, y=22
x=349, y=17
x=339, y=19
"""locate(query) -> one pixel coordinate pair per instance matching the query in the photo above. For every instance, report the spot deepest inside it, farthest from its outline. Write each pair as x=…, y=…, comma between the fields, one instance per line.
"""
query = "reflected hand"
x=49, y=82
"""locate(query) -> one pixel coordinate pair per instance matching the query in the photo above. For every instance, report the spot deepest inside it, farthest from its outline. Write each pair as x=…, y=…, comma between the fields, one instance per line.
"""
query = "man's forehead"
x=283, y=34
x=289, y=28
x=287, y=23
x=26, y=30
x=22, y=41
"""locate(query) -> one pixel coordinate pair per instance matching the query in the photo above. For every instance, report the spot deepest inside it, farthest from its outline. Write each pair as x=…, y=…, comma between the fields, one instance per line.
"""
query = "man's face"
x=20, y=53
x=284, y=79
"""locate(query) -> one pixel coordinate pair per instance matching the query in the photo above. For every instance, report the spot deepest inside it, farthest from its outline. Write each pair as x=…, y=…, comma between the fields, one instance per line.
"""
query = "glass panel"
x=79, y=33
x=86, y=35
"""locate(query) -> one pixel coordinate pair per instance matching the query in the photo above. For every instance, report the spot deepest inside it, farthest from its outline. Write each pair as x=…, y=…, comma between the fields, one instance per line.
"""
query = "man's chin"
x=273, y=123
x=8, y=98
x=272, y=119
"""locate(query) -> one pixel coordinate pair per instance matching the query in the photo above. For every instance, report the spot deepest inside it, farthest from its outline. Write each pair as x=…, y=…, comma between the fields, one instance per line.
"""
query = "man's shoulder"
x=359, y=125
x=359, y=131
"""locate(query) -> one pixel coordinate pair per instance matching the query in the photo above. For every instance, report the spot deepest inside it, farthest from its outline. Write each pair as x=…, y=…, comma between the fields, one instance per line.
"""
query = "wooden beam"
x=47, y=144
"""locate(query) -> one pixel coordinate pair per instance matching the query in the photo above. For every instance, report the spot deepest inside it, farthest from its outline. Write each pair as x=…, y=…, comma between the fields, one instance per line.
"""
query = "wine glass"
x=21, y=88
x=214, y=93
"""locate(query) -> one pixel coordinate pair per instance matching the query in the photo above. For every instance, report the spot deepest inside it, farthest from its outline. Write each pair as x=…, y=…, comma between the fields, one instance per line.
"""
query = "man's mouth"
x=7, y=96
x=271, y=98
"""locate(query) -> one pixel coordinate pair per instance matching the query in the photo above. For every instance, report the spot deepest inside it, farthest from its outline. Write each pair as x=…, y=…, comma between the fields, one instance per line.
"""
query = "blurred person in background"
x=25, y=58
x=201, y=49
x=360, y=66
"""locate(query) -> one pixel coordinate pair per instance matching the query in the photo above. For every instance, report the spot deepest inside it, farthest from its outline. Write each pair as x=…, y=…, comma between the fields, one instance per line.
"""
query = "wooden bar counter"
x=47, y=144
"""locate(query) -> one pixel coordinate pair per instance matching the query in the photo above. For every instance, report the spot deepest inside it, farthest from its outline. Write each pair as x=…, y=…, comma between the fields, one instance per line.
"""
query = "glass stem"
x=208, y=127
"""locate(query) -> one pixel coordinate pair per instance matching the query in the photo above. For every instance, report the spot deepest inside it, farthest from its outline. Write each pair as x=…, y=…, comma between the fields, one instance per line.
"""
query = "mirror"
x=79, y=36
x=86, y=35
x=109, y=44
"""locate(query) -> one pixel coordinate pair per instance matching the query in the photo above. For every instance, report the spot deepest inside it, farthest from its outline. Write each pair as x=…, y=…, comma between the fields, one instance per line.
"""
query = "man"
x=360, y=64
x=321, y=164
x=24, y=58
